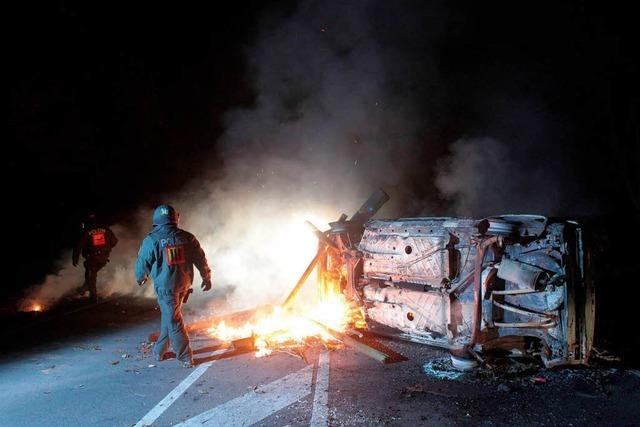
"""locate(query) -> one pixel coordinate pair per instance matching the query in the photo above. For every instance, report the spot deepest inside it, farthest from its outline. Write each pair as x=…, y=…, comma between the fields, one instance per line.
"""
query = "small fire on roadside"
x=32, y=307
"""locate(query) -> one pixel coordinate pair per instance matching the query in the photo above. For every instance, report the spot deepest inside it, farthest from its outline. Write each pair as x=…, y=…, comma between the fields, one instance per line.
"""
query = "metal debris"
x=356, y=345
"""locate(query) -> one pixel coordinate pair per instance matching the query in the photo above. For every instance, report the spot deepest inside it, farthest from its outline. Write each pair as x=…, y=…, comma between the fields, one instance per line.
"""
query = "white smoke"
x=484, y=176
x=335, y=118
x=115, y=278
x=336, y=115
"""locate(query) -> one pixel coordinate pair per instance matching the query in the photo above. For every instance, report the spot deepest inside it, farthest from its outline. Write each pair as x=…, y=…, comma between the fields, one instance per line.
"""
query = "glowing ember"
x=31, y=306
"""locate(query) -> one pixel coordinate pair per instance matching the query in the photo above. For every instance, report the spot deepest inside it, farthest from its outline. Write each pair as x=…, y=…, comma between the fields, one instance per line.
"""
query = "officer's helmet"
x=91, y=221
x=165, y=214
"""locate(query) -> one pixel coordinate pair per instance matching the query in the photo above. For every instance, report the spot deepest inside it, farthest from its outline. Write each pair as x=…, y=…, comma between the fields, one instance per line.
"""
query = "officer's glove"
x=206, y=285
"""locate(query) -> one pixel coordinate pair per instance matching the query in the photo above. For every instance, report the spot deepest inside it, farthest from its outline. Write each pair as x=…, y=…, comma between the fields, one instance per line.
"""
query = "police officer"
x=168, y=255
x=95, y=245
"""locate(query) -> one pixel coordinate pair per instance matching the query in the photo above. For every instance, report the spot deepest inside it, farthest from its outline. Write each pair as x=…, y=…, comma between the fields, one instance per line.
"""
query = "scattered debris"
x=152, y=366
x=604, y=355
x=355, y=344
x=144, y=350
x=539, y=380
x=442, y=369
x=503, y=387
x=247, y=344
x=508, y=368
x=331, y=346
x=115, y=362
x=297, y=353
x=412, y=390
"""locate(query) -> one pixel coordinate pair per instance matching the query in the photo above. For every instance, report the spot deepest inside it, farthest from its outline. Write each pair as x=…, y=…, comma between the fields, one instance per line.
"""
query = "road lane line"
x=258, y=404
x=162, y=406
x=320, y=411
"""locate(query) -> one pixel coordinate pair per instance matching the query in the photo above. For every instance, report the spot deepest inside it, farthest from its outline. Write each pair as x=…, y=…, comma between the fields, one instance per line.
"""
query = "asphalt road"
x=87, y=368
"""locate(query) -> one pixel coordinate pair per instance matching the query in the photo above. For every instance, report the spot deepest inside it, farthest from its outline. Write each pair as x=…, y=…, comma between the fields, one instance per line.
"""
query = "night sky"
x=113, y=105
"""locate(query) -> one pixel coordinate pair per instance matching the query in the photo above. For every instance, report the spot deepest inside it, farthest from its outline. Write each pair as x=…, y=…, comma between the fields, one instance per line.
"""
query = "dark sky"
x=113, y=105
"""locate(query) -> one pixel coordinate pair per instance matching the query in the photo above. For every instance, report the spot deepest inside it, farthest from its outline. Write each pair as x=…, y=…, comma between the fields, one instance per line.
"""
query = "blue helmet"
x=165, y=214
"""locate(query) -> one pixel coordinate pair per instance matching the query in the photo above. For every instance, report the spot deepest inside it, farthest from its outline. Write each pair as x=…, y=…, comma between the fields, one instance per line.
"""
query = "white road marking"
x=320, y=412
x=258, y=404
x=157, y=410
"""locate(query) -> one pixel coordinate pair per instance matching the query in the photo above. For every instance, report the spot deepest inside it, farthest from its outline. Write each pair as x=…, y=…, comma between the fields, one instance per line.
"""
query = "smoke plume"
x=485, y=176
x=337, y=114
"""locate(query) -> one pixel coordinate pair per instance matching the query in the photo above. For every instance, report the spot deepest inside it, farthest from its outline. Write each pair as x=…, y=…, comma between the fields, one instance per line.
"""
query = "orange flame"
x=290, y=327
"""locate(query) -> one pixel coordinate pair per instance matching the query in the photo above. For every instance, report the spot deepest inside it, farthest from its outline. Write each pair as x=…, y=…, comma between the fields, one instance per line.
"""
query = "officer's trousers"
x=172, y=327
x=91, y=267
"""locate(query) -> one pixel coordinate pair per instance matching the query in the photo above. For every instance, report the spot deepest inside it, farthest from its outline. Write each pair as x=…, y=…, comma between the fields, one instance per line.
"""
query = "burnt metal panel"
x=418, y=274
x=410, y=250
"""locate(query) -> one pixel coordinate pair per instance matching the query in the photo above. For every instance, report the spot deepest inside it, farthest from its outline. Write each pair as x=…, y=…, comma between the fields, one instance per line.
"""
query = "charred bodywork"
x=512, y=282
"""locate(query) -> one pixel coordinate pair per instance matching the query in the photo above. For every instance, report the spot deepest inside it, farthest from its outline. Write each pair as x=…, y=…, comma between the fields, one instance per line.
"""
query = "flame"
x=264, y=255
x=290, y=327
x=31, y=306
x=289, y=246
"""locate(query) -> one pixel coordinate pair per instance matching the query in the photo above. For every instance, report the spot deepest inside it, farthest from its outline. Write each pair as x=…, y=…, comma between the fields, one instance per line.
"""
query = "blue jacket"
x=168, y=255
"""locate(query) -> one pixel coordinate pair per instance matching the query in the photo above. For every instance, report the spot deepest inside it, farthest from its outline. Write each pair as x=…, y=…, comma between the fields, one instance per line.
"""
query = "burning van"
x=513, y=283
